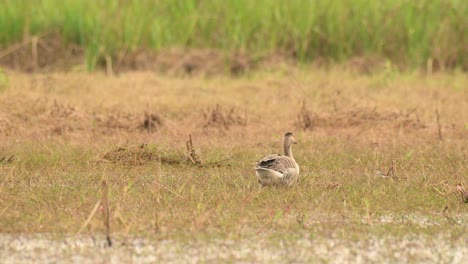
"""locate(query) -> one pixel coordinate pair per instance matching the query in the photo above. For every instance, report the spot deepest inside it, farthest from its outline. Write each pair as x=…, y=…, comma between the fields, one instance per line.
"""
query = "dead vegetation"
x=103, y=204
x=463, y=193
x=222, y=118
x=116, y=120
x=359, y=116
x=191, y=153
x=139, y=155
x=57, y=118
x=63, y=118
x=391, y=172
x=152, y=121
x=130, y=155
x=305, y=118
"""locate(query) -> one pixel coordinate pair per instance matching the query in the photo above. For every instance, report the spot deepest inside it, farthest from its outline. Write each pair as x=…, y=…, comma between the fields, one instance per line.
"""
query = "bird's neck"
x=288, y=150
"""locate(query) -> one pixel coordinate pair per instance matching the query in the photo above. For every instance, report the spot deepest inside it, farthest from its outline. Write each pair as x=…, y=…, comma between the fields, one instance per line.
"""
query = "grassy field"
x=381, y=156
x=158, y=151
x=62, y=134
x=408, y=33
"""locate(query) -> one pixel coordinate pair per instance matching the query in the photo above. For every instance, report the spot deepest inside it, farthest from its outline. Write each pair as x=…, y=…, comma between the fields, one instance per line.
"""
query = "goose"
x=277, y=169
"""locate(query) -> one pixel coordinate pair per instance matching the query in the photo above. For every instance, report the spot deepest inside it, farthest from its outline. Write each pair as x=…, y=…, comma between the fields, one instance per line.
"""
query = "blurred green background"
x=406, y=32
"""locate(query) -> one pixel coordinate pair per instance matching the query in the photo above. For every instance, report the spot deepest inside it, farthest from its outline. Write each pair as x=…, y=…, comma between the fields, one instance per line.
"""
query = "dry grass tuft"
x=63, y=118
x=222, y=118
x=116, y=120
x=132, y=155
x=152, y=122
x=305, y=118
x=139, y=155
x=364, y=116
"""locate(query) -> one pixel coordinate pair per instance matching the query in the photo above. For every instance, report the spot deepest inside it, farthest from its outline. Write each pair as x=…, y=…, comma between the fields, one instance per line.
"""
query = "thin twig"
x=105, y=204
x=445, y=209
x=391, y=171
x=439, y=127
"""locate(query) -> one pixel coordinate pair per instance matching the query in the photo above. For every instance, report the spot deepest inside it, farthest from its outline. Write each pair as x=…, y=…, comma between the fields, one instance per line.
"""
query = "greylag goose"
x=277, y=169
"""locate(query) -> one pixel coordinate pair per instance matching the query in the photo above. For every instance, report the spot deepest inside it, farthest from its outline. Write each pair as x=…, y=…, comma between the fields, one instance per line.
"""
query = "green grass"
x=52, y=188
x=406, y=32
x=56, y=134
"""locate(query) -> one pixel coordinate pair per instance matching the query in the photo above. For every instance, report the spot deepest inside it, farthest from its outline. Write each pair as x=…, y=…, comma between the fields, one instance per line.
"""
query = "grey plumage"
x=277, y=169
x=277, y=162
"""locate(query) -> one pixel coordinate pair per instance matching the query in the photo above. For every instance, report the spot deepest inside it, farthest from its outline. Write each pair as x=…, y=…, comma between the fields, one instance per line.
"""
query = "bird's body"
x=277, y=169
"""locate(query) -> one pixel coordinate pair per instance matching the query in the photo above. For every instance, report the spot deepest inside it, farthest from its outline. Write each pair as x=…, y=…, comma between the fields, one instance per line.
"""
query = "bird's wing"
x=277, y=162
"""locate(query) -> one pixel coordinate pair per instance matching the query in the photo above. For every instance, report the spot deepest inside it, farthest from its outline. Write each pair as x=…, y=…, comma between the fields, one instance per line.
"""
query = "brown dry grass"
x=58, y=125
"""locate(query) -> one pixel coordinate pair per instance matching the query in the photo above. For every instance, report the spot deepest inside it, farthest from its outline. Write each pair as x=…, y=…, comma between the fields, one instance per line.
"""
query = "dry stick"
x=105, y=204
x=148, y=119
x=191, y=151
x=449, y=219
x=445, y=209
x=439, y=127
x=391, y=171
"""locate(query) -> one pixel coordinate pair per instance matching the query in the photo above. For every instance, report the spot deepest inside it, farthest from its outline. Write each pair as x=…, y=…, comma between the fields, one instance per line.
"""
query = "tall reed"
x=404, y=31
